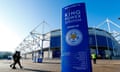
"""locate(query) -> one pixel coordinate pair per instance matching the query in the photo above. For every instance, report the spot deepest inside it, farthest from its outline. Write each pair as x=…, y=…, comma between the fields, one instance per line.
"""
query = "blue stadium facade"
x=100, y=42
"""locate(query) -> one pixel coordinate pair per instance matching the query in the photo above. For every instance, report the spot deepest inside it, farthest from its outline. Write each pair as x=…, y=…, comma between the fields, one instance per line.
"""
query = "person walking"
x=16, y=59
x=94, y=58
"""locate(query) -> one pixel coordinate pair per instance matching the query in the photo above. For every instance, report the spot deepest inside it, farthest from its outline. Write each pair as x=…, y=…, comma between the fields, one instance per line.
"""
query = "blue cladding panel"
x=56, y=54
x=55, y=42
x=101, y=41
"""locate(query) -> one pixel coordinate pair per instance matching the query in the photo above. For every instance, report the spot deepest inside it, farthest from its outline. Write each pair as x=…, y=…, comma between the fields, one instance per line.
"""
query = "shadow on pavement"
x=50, y=63
x=35, y=70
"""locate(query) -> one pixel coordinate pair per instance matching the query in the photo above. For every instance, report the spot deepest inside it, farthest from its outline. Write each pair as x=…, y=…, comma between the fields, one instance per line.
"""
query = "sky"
x=19, y=17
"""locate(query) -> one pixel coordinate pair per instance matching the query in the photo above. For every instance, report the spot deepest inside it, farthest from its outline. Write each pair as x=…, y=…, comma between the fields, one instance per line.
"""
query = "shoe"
x=21, y=67
x=14, y=68
x=10, y=65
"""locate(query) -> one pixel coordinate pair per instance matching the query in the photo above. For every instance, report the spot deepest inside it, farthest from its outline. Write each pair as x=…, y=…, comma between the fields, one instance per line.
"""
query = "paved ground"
x=54, y=66
x=29, y=66
x=107, y=66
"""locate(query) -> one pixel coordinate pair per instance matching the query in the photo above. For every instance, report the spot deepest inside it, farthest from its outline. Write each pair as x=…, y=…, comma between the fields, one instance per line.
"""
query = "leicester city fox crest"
x=73, y=37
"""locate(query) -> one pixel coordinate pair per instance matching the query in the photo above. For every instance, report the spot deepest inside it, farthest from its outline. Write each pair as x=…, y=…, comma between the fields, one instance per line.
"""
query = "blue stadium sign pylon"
x=75, y=52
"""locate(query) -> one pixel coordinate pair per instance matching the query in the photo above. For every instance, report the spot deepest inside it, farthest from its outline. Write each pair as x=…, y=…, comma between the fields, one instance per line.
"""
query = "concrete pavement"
x=54, y=66
x=29, y=66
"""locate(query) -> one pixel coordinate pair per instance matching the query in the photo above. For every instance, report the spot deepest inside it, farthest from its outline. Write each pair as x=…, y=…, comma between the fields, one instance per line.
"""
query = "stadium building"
x=48, y=45
x=100, y=42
